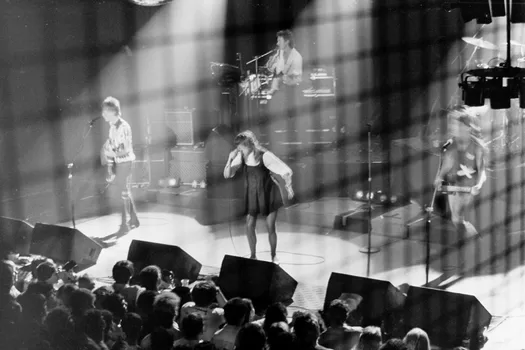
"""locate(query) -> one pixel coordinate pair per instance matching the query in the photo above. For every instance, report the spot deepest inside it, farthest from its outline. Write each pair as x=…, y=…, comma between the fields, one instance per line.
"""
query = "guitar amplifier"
x=141, y=170
x=188, y=164
x=182, y=123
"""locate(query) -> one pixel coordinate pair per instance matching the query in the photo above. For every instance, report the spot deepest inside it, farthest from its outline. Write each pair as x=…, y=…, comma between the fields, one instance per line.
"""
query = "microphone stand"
x=70, y=172
x=256, y=61
x=369, y=249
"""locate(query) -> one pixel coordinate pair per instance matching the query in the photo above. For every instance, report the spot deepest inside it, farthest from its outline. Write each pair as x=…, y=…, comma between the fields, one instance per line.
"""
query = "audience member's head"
x=145, y=303
x=370, y=339
x=7, y=277
x=47, y=272
x=204, y=293
x=235, y=312
x=43, y=288
x=131, y=326
x=394, y=344
x=108, y=320
x=417, y=339
x=250, y=337
x=250, y=310
x=86, y=282
x=161, y=339
x=116, y=304
x=33, y=307
x=279, y=337
x=58, y=325
x=64, y=294
x=275, y=330
x=94, y=325
x=337, y=313
x=36, y=262
x=276, y=312
x=306, y=329
x=101, y=293
x=81, y=301
x=192, y=326
x=123, y=271
x=165, y=309
x=151, y=277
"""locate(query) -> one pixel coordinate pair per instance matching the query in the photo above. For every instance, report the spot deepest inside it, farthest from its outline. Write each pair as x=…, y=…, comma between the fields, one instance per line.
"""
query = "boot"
x=134, y=220
x=126, y=208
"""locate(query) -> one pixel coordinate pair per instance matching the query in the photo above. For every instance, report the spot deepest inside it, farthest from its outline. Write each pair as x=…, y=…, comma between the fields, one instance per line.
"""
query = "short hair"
x=45, y=271
x=161, y=339
x=192, y=325
x=145, y=302
x=235, y=311
x=165, y=309
x=86, y=282
x=100, y=294
x=250, y=337
x=64, y=293
x=276, y=312
x=116, y=304
x=306, y=328
x=394, y=344
x=371, y=336
x=150, y=277
x=274, y=333
x=57, y=322
x=287, y=35
x=36, y=262
x=122, y=272
x=417, y=339
x=112, y=104
x=204, y=293
x=81, y=301
x=337, y=312
x=131, y=325
x=44, y=288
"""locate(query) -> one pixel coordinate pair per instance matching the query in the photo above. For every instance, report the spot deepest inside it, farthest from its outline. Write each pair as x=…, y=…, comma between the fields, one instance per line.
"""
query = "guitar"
x=454, y=189
x=109, y=163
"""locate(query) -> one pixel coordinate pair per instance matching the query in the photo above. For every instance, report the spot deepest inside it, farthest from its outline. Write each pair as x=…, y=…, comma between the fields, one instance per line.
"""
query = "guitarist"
x=118, y=156
x=463, y=165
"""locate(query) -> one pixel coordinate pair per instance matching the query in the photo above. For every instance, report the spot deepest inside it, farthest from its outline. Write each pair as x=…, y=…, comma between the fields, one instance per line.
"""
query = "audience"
x=191, y=329
x=250, y=337
x=122, y=272
x=417, y=339
x=306, y=330
x=100, y=319
x=237, y=313
x=339, y=336
x=370, y=339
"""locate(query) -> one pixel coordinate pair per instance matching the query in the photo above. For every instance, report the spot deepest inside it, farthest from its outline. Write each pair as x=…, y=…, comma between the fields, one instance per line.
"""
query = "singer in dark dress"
x=262, y=192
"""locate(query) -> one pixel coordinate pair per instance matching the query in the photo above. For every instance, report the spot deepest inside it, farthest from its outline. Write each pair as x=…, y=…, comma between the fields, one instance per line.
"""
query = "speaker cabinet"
x=447, y=317
x=15, y=236
x=168, y=257
x=63, y=243
x=262, y=282
x=379, y=297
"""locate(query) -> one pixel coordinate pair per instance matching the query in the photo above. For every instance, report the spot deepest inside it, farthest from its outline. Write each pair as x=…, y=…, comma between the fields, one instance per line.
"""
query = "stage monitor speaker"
x=261, y=281
x=165, y=256
x=379, y=297
x=63, y=244
x=447, y=317
x=15, y=236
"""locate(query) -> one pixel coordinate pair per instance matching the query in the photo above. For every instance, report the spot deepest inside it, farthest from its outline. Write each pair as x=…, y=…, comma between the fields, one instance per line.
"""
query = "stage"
x=489, y=268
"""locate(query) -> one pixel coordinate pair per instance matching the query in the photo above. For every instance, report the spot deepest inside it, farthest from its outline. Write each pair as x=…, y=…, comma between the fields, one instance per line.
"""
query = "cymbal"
x=513, y=43
x=479, y=43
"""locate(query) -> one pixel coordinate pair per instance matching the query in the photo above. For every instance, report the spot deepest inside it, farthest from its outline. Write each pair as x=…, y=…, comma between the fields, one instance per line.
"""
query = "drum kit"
x=479, y=43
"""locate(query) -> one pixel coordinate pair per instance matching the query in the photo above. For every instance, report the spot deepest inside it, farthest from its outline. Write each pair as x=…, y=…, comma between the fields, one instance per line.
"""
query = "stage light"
x=393, y=199
x=194, y=184
x=499, y=95
x=359, y=195
x=473, y=94
x=383, y=198
x=202, y=184
x=173, y=182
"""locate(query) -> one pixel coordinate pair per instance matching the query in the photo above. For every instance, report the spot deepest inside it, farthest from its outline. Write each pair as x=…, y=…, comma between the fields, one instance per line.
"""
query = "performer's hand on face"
x=233, y=154
x=475, y=190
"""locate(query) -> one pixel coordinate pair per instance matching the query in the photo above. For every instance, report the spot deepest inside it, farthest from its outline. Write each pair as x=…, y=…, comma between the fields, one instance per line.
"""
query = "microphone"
x=448, y=143
x=94, y=120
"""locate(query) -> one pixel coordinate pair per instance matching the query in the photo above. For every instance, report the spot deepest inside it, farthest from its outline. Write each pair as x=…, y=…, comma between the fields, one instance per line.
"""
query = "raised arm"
x=233, y=164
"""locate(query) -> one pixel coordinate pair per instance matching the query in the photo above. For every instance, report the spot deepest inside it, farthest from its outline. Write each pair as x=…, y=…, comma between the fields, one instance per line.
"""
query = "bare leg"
x=250, y=233
x=272, y=233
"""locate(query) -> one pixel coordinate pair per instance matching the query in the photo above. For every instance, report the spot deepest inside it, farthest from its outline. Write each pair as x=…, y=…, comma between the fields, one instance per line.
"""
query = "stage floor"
x=491, y=268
